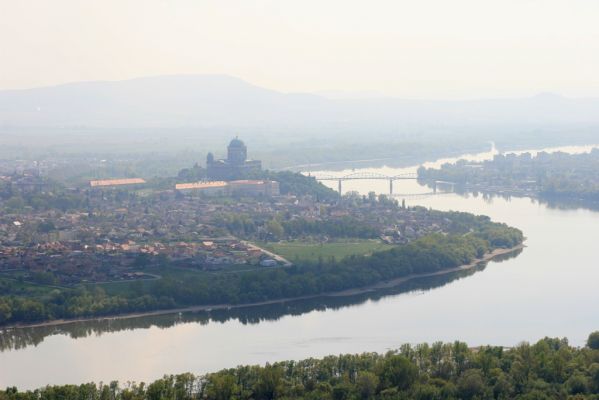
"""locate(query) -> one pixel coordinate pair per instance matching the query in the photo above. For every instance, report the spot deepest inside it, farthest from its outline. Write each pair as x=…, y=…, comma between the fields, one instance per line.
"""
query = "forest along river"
x=549, y=289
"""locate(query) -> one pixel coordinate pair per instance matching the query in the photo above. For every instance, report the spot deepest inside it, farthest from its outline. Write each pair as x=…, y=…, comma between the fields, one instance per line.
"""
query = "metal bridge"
x=377, y=176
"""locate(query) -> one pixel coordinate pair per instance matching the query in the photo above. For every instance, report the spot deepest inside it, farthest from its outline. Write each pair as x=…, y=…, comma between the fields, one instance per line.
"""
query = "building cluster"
x=395, y=225
x=27, y=182
x=245, y=187
x=72, y=262
x=228, y=176
x=116, y=237
x=116, y=182
x=224, y=177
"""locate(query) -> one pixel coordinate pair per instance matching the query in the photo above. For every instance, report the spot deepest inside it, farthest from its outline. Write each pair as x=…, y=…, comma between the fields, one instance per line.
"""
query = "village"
x=116, y=233
x=127, y=229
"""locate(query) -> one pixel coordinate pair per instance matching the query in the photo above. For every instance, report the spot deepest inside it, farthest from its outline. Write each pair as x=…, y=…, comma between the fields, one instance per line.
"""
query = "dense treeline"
x=566, y=187
x=347, y=227
x=496, y=234
x=428, y=254
x=195, y=173
x=266, y=228
x=548, y=369
x=58, y=199
x=298, y=184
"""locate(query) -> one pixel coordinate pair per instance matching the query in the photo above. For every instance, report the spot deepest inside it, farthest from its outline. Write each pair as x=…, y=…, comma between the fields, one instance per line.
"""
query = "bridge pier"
x=339, y=187
x=391, y=187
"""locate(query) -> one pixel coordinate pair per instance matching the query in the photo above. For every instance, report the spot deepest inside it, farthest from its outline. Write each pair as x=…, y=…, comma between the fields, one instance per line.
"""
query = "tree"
x=594, y=374
x=397, y=371
x=269, y=384
x=5, y=311
x=15, y=203
x=471, y=384
x=221, y=387
x=45, y=226
x=593, y=340
x=366, y=385
x=275, y=228
x=577, y=383
x=341, y=391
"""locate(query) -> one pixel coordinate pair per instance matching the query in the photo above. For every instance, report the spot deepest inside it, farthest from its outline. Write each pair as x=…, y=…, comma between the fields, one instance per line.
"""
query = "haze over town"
x=275, y=199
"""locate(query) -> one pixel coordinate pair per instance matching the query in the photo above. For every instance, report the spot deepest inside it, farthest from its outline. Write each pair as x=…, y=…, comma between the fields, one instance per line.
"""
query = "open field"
x=294, y=251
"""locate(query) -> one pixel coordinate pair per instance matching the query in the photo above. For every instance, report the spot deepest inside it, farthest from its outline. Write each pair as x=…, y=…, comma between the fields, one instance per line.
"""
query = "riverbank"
x=398, y=281
x=344, y=293
x=565, y=201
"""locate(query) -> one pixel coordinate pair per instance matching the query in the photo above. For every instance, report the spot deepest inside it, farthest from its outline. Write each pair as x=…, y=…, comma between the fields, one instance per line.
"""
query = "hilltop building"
x=235, y=166
x=116, y=182
x=254, y=188
x=215, y=188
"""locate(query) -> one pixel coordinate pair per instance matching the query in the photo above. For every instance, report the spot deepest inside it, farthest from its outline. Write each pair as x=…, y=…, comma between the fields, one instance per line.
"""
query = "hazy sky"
x=411, y=48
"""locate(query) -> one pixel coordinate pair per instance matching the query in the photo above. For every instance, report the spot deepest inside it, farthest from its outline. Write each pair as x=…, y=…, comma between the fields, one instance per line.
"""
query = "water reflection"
x=554, y=203
x=19, y=338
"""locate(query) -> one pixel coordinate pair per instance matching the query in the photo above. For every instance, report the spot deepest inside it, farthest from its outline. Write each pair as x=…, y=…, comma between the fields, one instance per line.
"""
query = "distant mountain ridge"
x=164, y=101
x=207, y=101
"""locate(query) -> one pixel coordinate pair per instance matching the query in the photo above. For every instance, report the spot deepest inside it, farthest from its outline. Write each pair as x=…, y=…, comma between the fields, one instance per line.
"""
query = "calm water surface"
x=549, y=289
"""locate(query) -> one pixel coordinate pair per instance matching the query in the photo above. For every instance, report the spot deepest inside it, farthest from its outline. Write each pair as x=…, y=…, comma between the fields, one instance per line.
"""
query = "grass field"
x=294, y=251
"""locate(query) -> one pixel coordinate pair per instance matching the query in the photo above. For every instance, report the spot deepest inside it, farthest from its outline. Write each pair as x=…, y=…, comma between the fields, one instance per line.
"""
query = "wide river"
x=551, y=288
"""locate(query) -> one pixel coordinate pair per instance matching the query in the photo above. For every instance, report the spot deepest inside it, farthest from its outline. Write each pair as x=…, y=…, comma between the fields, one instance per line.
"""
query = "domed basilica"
x=235, y=166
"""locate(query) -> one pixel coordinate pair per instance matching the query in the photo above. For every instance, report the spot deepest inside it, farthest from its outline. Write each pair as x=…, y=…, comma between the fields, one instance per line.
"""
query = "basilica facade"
x=235, y=166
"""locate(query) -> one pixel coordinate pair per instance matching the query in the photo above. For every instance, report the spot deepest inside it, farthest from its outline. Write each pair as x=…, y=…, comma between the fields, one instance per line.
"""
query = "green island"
x=548, y=369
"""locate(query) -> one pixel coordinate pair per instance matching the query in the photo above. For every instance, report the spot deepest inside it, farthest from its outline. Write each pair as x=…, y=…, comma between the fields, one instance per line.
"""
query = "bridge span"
x=377, y=176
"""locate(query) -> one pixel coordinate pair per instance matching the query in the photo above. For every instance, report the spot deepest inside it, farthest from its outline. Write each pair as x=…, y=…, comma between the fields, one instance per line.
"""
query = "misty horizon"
x=426, y=50
x=333, y=94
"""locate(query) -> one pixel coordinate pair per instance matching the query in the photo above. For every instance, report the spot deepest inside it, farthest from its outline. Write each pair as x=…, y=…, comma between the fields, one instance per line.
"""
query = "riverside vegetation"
x=548, y=369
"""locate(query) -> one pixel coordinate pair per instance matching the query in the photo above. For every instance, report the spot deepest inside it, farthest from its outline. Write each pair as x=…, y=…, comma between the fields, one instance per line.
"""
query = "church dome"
x=236, y=143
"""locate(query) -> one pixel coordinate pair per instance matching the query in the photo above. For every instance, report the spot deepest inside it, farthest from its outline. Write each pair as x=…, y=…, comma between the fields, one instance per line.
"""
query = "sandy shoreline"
x=344, y=293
